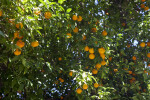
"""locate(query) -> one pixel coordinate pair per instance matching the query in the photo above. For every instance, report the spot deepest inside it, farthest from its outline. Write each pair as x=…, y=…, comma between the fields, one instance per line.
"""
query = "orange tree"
x=74, y=49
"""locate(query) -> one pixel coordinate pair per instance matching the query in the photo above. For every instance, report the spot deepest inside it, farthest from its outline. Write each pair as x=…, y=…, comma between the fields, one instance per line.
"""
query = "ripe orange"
x=68, y=35
x=35, y=44
x=104, y=33
x=17, y=52
x=36, y=12
x=148, y=55
x=91, y=50
x=59, y=58
x=1, y=12
x=61, y=97
x=101, y=50
x=16, y=34
x=98, y=66
x=142, y=0
x=142, y=44
x=61, y=80
x=91, y=56
x=75, y=30
x=85, y=86
x=74, y=17
x=102, y=55
x=11, y=21
x=128, y=45
x=70, y=73
x=148, y=65
x=115, y=70
x=148, y=44
x=146, y=8
x=96, y=85
x=130, y=72
x=84, y=37
x=79, y=90
x=133, y=58
x=47, y=15
x=94, y=30
x=79, y=19
x=86, y=48
x=110, y=58
x=103, y=62
x=123, y=24
x=142, y=5
x=19, y=25
x=20, y=43
x=94, y=71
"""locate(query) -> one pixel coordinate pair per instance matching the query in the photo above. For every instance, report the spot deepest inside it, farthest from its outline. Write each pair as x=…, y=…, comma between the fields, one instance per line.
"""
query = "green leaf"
x=68, y=10
x=61, y=1
x=1, y=33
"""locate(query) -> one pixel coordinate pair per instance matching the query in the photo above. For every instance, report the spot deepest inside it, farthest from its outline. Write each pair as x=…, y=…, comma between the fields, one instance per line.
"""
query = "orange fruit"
x=17, y=52
x=36, y=12
x=96, y=85
x=115, y=70
x=98, y=66
x=128, y=45
x=110, y=58
x=79, y=19
x=94, y=29
x=86, y=48
x=1, y=12
x=103, y=62
x=75, y=30
x=61, y=97
x=101, y=50
x=79, y=90
x=70, y=73
x=74, y=17
x=123, y=24
x=47, y=15
x=148, y=55
x=148, y=44
x=102, y=55
x=11, y=21
x=146, y=8
x=142, y=5
x=85, y=86
x=16, y=34
x=91, y=50
x=94, y=71
x=142, y=0
x=149, y=65
x=130, y=72
x=68, y=35
x=104, y=33
x=19, y=25
x=61, y=80
x=59, y=58
x=35, y=44
x=133, y=58
x=91, y=56
x=142, y=44
x=20, y=43
x=84, y=37
x=133, y=79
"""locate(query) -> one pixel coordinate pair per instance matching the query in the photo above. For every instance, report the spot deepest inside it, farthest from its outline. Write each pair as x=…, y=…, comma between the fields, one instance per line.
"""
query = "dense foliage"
x=74, y=49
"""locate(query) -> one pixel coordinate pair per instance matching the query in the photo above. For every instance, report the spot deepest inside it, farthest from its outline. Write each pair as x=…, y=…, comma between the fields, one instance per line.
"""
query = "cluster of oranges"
x=85, y=87
x=143, y=6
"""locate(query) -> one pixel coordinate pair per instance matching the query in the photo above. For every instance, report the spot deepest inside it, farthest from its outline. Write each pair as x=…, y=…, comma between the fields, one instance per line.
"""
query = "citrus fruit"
x=35, y=44
x=85, y=86
x=91, y=56
x=142, y=5
x=146, y=8
x=102, y=55
x=94, y=71
x=75, y=30
x=94, y=29
x=110, y=58
x=74, y=17
x=79, y=19
x=68, y=35
x=1, y=12
x=59, y=58
x=17, y=52
x=115, y=70
x=86, y=48
x=91, y=50
x=130, y=72
x=47, y=15
x=101, y=50
x=142, y=44
x=148, y=44
x=96, y=85
x=19, y=25
x=20, y=43
x=103, y=62
x=70, y=73
x=98, y=66
x=79, y=90
x=133, y=58
x=148, y=55
x=104, y=33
